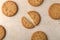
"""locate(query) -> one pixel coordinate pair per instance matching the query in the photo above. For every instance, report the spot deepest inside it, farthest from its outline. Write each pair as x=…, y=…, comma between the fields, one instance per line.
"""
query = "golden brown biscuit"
x=2, y=32
x=35, y=2
x=35, y=16
x=54, y=11
x=26, y=23
x=39, y=35
x=9, y=8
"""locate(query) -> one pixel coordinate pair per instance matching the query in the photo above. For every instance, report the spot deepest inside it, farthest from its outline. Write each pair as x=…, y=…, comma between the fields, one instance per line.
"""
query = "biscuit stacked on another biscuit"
x=35, y=16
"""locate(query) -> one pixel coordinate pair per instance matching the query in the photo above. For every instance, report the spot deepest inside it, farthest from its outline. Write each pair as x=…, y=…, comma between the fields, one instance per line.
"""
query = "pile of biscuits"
x=10, y=8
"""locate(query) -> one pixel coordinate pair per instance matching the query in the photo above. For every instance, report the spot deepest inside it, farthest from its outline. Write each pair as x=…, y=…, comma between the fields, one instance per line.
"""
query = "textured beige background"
x=15, y=29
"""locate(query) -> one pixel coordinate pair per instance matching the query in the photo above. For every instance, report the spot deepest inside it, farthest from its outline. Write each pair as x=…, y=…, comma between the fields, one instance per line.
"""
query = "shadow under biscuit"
x=36, y=19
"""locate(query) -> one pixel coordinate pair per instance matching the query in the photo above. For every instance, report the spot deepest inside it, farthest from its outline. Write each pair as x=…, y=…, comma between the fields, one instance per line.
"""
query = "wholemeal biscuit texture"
x=2, y=32
x=54, y=11
x=9, y=8
x=35, y=2
x=27, y=23
x=35, y=16
x=39, y=35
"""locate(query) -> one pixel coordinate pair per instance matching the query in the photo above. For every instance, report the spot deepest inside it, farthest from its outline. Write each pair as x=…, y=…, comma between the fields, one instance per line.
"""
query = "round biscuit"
x=9, y=8
x=35, y=17
x=35, y=2
x=2, y=32
x=39, y=35
x=54, y=11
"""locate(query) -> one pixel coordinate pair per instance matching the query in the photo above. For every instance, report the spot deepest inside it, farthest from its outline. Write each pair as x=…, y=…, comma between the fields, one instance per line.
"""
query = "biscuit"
x=26, y=23
x=35, y=16
x=2, y=32
x=9, y=8
x=54, y=11
x=39, y=35
x=35, y=2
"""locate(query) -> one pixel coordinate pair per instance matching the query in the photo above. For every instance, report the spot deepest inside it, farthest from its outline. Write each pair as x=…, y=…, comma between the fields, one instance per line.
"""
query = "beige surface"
x=16, y=31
